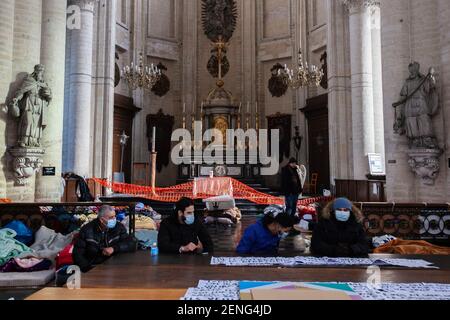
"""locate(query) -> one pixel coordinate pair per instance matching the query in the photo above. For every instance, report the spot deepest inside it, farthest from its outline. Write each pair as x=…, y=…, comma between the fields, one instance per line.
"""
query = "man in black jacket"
x=340, y=232
x=101, y=239
x=291, y=186
x=183, y=232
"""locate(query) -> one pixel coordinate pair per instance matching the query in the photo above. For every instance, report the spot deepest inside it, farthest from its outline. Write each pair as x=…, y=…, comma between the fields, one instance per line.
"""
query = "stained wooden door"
x=318, y=140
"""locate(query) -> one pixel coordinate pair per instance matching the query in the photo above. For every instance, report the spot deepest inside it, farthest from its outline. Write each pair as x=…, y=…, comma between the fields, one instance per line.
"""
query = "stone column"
x=444, y=78
x=6, y=58
x=362, y=84
x=377, y=80
x=103, y=95
x=80, y=82
x=53, y=46
x=339, y=93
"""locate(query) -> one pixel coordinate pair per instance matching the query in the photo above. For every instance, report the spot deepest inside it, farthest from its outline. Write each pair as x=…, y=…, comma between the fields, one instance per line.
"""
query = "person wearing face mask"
x=340, y=232
x=183, y=232
x=263, y=237
x=101, y=239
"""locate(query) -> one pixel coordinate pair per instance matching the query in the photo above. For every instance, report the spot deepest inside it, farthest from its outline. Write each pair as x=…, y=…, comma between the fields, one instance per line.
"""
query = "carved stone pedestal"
x=27, y=161
x=425, y=164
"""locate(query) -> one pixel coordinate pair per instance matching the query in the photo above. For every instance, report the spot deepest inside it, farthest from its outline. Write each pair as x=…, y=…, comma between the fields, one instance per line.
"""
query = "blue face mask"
x=189, y=220
x=112, y=223
x=342, y=216
x=283, y=235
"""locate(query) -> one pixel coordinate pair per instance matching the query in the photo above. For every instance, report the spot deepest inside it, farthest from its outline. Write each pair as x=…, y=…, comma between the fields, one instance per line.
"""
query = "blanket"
x=48, y=244
x=10, y=247
x=399, y=246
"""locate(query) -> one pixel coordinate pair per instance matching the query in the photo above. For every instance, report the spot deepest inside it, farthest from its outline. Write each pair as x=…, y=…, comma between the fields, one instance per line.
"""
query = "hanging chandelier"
x=304, y=76
x=141, y=76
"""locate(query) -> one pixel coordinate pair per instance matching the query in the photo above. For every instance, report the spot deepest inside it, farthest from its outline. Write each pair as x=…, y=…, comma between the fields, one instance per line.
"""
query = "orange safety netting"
x=201, y=189
x=5, y=201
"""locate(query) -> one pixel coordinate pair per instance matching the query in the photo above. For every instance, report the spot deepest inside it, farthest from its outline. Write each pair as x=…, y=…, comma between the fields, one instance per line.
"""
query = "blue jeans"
x=291, y=204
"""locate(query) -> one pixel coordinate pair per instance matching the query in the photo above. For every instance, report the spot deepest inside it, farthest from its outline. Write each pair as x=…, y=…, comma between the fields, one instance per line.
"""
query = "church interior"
x=282, y=115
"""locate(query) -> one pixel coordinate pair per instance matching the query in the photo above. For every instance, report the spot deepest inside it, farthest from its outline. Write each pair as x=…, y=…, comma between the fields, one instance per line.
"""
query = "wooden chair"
x=312, y=185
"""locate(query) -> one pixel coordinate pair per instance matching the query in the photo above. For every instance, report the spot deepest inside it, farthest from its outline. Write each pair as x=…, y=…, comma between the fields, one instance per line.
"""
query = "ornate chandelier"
x=140, y=75
x=304, y=76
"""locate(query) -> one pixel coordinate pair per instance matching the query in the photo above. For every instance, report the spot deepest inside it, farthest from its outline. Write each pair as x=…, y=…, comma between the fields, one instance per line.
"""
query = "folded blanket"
x=48, y=244
x=26, y=265
x=399, y=246
x=10, y=247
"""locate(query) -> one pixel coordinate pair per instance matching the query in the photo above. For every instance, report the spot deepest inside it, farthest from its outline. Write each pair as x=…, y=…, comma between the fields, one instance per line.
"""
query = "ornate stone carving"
x=357, y=5
x=29, y=106
x=425, y=164
x=219, y=18
x=27, y=161
x=413, y=113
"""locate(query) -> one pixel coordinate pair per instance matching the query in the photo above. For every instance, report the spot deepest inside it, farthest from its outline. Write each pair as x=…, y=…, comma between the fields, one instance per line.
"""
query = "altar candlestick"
x=154, y=140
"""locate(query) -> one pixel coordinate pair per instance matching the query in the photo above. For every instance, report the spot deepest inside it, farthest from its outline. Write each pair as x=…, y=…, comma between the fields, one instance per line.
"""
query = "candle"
x=184, y=108
x=154, y=140
x=248, y=107
x=201, y=108
x=240, y=106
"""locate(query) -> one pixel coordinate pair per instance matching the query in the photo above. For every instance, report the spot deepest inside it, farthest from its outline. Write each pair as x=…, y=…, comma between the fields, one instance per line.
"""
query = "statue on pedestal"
x=419, y=103
x=29, y=106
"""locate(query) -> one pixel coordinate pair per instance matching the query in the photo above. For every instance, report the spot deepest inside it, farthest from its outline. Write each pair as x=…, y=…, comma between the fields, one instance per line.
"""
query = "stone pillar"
x=377, y=80
x=362, y=84
x=103, y=95
x=339, y=93
x=444, y=79
x=80, y=82
x=6, y=58
x=53, y=46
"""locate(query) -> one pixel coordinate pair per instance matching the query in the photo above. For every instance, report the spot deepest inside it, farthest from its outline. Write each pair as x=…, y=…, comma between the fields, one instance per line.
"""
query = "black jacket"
x=92, y=240
x=290, y=181
x=337, y=239
x=173, y=235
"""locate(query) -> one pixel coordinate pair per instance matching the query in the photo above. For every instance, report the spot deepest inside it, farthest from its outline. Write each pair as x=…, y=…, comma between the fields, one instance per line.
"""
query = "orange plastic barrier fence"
x=204, y=188
x=5, y=201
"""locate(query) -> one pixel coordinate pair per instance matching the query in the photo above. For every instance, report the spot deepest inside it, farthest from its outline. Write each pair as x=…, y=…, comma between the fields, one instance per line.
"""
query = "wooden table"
x=63, y=294
x=142, y=271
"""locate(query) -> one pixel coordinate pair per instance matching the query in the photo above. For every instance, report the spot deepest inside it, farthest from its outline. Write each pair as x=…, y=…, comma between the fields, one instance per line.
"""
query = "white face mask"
x=342, y=216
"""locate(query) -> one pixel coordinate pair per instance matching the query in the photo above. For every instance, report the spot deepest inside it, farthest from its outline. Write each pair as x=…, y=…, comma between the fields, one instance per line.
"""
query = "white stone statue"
x=419, y=103
x=29, y=105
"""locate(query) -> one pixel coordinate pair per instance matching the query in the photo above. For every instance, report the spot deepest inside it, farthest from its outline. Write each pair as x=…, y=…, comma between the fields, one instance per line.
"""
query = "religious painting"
x=282, y=122
x=164, y=127
x=277, y=84
x=162, y=87
x=221, y=123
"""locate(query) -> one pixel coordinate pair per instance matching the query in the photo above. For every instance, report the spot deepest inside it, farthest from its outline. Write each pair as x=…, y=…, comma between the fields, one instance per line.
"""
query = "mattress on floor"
x=26, y=279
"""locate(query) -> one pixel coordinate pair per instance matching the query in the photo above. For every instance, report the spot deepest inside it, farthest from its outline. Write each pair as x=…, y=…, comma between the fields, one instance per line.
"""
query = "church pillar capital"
x=357, y=6
x=87, y=5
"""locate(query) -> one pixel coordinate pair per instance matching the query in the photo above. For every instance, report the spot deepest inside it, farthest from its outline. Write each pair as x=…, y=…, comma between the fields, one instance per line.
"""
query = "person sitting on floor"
x=340, y=232
x=101, y=239
x=263, y=237
x=183, y=232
